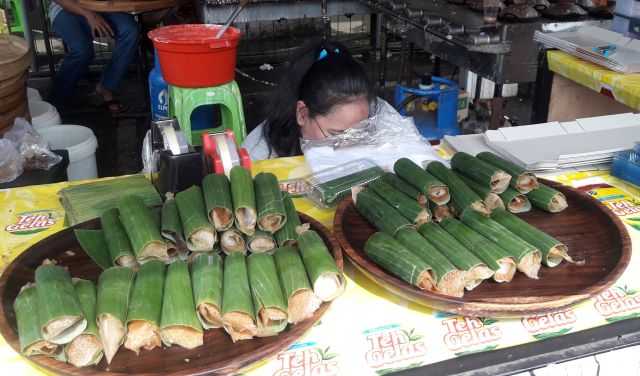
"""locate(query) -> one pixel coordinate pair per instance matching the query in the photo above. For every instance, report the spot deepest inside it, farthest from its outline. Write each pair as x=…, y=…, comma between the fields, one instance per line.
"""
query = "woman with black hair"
x=324, y=92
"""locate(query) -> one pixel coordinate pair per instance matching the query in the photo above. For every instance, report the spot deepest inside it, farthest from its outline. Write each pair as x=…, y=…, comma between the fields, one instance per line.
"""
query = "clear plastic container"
x=328, y=187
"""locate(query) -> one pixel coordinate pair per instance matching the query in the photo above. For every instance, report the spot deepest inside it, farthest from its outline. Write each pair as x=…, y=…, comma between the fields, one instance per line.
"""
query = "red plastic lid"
x=192, y=34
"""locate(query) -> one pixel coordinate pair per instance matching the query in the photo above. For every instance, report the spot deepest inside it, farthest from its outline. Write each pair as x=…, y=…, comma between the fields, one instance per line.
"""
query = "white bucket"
x=43, y=114
x=81, y=144
x=33, y=94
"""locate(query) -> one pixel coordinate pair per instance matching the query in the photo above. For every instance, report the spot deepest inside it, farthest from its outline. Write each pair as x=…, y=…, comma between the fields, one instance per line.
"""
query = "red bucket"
x=191, y=56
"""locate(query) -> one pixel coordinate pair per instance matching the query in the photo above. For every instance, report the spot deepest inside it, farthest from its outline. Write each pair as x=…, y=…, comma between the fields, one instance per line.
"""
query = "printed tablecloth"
x=368, y=331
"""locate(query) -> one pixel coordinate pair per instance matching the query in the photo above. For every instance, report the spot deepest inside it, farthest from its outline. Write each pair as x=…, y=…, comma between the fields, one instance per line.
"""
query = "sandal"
x=113, y=106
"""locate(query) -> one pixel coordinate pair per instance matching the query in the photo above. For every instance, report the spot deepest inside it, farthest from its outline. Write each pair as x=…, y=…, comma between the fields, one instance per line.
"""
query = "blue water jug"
x=159, y=93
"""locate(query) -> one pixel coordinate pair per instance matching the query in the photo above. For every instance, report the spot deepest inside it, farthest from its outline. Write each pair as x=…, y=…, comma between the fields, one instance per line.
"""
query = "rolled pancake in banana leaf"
x=206, y=279
x=268, y=301
x=301, y=301
x=117, y=239
x=238, y=312
x=491, y=199
x=29, y=326
x=553, y=250
x=431, y=186
x=143, y=230
x=271, y=211
x=548, y=199
x=327, y=280
x=171, y=227
x=521, y=180
x=288, y=235
x=527, y=256
x=440, y=212
x=198, y=232
x=179, y=324
x=217, y=197
x=114, y=297
x=475, y=269
x=515, y=201
x=143, y=318
x=244, y=200
x=232, y=240
x=59, y=309
x=86, y=349
x=261, y=242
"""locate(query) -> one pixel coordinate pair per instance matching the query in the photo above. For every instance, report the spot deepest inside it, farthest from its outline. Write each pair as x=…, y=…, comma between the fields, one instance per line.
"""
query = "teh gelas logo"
x=550, y=324
x=392, y=346
x=618, y=303
x=31, y=223
x=311, y=361
x=467, y=332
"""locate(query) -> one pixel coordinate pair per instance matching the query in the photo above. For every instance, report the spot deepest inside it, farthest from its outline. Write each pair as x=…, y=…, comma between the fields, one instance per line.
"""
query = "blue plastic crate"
x=626, y=165
x=444, y=121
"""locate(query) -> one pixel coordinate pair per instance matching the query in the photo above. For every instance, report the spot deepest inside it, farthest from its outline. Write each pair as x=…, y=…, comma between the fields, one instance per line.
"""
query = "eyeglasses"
x=373, y=108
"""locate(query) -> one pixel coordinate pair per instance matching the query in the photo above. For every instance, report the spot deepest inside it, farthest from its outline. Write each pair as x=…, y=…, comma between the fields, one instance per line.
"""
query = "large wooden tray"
x=589, y=229
x=218, y=355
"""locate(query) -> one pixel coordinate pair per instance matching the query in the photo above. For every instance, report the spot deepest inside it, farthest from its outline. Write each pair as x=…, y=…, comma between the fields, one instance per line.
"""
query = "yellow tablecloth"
x=625, y=88
x=368, y=331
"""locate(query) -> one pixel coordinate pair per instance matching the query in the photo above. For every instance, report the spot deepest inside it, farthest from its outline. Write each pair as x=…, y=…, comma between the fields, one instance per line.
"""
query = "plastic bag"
x=31, y=146
x=383, y=138
x=11, y=162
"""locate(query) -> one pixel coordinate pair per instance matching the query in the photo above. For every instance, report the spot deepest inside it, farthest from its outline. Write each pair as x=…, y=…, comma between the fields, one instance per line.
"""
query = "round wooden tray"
x=7, y=118
x=13, y=84
x=589, y=229
x=14, y=56
x=138, y=6
x=218, y=355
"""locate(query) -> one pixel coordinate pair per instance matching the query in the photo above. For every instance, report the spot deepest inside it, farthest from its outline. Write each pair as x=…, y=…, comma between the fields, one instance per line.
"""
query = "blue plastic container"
x=158, y=92
x=439, y=123
x=626, y=165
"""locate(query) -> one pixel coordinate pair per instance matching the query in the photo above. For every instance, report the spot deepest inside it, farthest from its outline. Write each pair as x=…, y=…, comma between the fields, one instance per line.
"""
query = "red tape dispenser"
x=221, y=152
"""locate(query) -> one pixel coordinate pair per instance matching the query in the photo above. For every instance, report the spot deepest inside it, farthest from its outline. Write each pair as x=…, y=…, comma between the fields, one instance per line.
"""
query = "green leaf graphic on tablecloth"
x=486, y=321
x=326, y=354
x=317, y=323
x=627, y=290
x=560, y=332
x=634, y=219
x=620, y=318
x=488, y=348
x=386, y=371
x=411, y=335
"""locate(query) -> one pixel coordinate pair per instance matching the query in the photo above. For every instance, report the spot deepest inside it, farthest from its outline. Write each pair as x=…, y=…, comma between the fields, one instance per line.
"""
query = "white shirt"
x=257, y=145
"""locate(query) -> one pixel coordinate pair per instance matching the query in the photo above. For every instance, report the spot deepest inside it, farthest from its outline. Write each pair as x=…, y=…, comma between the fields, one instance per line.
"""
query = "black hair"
x=322, y=74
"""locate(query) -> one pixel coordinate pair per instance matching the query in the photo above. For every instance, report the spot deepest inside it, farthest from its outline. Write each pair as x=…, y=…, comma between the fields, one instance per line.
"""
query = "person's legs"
x=126, y=35
x=75, y=33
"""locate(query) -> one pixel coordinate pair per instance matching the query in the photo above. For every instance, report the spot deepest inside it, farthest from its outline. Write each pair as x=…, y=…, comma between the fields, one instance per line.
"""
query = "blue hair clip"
x=324, y=53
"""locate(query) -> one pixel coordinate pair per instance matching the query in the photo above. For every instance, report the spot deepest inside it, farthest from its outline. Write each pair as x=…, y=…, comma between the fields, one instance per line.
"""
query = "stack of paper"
x=599, y=46
x=552, y=146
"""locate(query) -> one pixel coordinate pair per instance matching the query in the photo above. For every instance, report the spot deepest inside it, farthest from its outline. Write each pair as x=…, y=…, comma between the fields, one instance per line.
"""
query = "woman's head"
x=324, y=91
